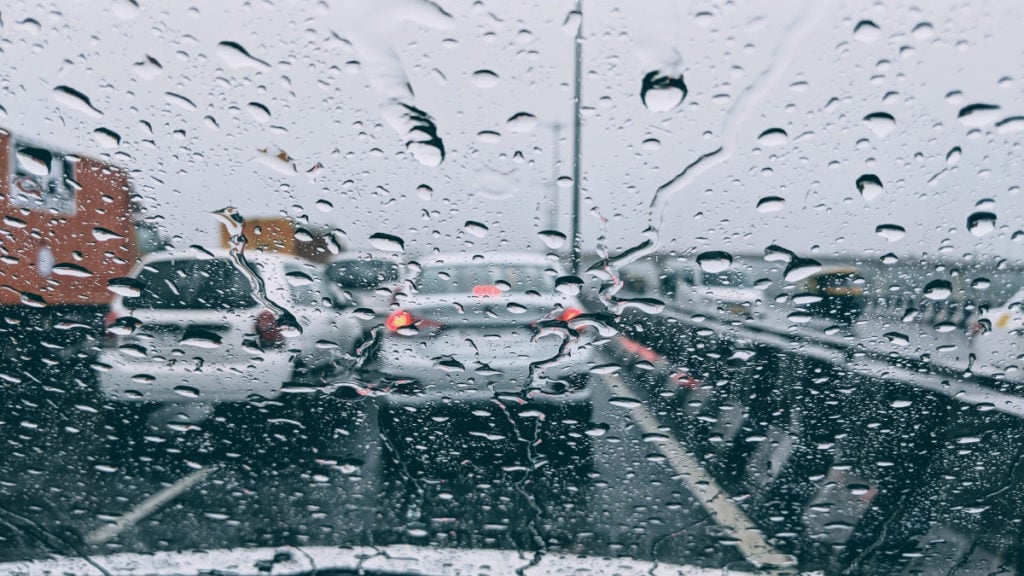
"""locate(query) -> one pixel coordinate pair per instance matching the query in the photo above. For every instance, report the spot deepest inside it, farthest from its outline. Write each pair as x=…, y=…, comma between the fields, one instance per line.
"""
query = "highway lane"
x=65, y=493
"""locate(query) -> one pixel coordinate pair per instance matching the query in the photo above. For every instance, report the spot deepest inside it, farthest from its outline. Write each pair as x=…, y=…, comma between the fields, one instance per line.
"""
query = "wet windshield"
x=552, y=286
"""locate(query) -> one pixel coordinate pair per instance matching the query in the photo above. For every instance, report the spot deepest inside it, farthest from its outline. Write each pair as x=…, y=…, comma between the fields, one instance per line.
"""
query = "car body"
x=369, y=283
x=483, y=353
x=729, y=291
x=839, y=293
x=191, y=327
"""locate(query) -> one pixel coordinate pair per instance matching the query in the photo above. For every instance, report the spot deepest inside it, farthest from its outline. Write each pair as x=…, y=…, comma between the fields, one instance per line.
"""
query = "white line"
x=148, y=506
x=702, y=485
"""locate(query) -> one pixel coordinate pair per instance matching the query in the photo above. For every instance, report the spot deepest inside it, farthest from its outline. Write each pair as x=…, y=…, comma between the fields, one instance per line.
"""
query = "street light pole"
x=576, y=143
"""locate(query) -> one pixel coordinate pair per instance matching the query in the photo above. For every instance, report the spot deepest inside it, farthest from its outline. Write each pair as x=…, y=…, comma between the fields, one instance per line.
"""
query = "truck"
x=69, y=227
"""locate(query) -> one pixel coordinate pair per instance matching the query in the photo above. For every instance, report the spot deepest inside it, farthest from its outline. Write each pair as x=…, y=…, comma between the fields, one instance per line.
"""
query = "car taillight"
x=980, y=327
x=399, y=319
x=267, y=329
x=569, y=313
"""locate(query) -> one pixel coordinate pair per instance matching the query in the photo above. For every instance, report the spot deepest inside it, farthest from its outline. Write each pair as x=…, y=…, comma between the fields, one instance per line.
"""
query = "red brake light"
x=570, y=313
x=486, y=290
x=399, y=319
x=267, y=328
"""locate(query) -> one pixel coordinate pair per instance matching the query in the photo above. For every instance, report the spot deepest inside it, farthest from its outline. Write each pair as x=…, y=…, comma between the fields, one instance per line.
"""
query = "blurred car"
x=838, y=293
x=996, y=337
x=731, y=291
x=191, y=332
x=369, y=283
x=485, y=356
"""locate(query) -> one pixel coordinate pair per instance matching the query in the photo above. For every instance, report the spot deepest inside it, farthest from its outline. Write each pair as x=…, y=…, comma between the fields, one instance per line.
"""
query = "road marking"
x=148, y=506
x=700, y=483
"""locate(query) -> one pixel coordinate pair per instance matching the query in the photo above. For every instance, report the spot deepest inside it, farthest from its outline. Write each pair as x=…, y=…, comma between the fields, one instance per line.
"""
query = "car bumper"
x=152, y=382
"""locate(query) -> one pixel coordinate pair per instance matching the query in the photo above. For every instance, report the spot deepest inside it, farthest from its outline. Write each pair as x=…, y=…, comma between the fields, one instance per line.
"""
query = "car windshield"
x=363, y=274
x=478, y=278
x=531, y=287
x=192, y=285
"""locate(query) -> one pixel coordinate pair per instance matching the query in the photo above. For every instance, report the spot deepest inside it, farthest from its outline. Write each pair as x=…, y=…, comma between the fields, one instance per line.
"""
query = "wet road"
x=66, y=492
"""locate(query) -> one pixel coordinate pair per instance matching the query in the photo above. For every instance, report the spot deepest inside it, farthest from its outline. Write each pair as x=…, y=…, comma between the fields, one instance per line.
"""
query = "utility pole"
x=576, y=142
x=556, y=165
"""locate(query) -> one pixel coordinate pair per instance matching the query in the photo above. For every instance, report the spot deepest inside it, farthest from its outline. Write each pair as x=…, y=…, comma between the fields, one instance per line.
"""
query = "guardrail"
x=840, y=449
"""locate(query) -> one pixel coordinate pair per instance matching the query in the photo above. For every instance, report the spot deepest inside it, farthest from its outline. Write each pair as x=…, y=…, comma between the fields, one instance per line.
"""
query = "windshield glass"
x=472, y=278
x=191, y=284
x=362, y=274
x=482, y=287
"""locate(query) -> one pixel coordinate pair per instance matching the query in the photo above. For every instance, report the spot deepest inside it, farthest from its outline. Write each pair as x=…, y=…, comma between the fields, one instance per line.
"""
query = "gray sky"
x=327, y=95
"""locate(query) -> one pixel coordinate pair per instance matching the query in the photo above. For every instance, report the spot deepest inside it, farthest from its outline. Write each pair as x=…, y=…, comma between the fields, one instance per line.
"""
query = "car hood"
x=388, y=560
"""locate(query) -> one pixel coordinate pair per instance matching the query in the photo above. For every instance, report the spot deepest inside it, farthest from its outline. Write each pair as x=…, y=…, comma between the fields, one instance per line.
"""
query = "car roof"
x=490, y=258
x=256, y=256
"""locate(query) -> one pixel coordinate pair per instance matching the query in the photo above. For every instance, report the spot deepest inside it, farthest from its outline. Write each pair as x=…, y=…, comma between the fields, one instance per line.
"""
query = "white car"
x=193, y=330
x=479, y=346
x=729, y=291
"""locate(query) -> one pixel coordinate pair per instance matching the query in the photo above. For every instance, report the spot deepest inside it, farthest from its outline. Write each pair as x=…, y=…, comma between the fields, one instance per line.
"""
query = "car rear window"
x=464, y=278
x=362, y=275
x=193, y=285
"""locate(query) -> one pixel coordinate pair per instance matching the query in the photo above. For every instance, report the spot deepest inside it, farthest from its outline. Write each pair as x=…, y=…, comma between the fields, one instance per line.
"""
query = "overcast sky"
x=323, y=73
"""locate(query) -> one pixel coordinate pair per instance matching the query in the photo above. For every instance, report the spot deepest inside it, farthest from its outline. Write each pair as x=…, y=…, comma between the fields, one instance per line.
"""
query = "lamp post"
x=576, y=142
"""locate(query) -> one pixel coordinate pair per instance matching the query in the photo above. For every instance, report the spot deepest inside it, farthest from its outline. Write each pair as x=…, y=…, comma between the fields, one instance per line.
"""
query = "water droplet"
x=866, y=31
x=200, y=339
x=259, y=112
x=978, y=115
x=387, y=242
x=981, y=223
x=475, y=228
x=488, y=137
x=771, y=204
x=181, y=101
x=277, y=160
x=880, y=123
x=125, y=9
x=186, y=391
x=651, y=144
x=891, y=232
x=552, y=238
x=923, y=31
x=596, y=430
x=953, y=156
x=800, y=268
x=714, y=261
x=773, y=137
x=236, y=56
x=104, y=235
x=128, y=287
x=1010, y=125
x=569, y=285
x=869, y=186
x=938, y=290
x=521, y=123
x=624, y=402
x=484, y=79
x=106, y=138
x=564, y=181
x=981, y=283
x=72, y=270
x=889, y=258
x=901, y=403
x=324, y=205
x=799, y=317
x=35, y=161
x=571, y=24
x=661, y=93
x=147, y=69
x=298, y=278
x=897, y=338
